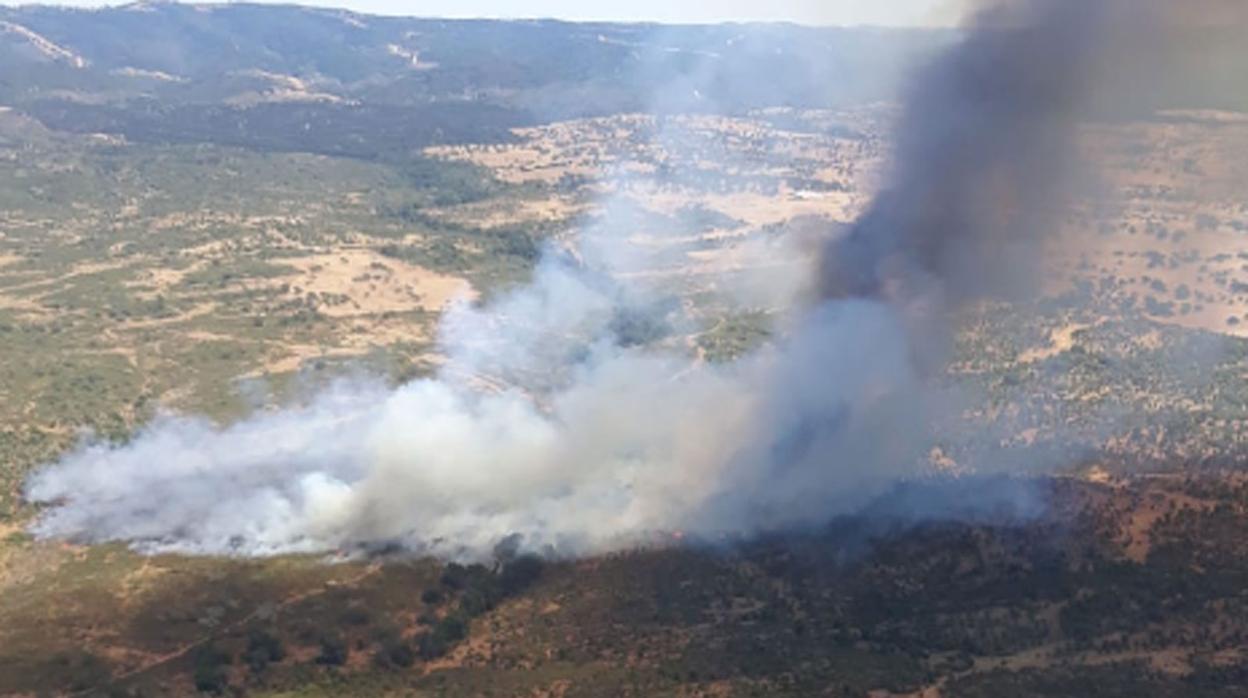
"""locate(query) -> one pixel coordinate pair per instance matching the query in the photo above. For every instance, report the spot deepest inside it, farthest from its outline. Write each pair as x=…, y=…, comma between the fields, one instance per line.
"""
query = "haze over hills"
x=256, y=74
x=334, y=81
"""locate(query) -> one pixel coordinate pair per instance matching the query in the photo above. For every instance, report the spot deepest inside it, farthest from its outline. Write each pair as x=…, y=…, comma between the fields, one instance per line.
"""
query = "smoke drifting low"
x=598, y=444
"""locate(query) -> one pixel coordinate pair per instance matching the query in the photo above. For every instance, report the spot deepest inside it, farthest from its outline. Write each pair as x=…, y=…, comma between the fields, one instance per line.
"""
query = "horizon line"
x=111, y=5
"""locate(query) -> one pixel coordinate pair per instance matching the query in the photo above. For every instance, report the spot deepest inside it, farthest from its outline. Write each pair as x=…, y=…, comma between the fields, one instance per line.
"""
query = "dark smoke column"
x=983, y=146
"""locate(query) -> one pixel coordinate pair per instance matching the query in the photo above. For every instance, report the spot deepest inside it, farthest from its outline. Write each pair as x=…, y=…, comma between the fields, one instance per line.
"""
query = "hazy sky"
x=885, y=12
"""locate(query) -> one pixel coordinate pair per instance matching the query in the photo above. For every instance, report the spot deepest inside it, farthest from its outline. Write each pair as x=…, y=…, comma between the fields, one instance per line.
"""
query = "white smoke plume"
x=597, y=444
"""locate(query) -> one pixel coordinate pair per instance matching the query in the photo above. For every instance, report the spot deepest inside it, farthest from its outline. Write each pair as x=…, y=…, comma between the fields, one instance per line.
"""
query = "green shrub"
x=263, y=648
x=520, y=573
x=334, y=650
x=395, y=652
x=444, y=635
x=432, y=597
x=210, y=676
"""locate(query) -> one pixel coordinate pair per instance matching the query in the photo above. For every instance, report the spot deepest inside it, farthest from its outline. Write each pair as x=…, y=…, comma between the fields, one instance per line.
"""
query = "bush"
x=519, y=574
x=515, y=242
x=209, y=673
x=356, y=616
x=444, y=635
x=431, y=647
x=334, y=650
x=395, y=652
x=452, y=628
x=478, y=599
x=636, y=327
x=454, y=576
x=432, y=597
x=263, y=648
